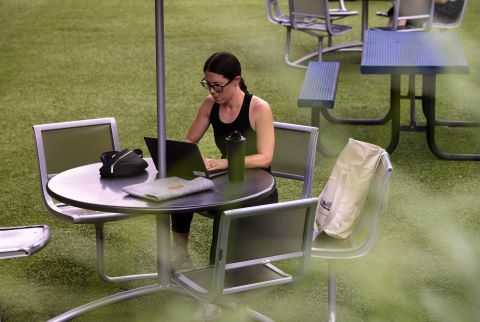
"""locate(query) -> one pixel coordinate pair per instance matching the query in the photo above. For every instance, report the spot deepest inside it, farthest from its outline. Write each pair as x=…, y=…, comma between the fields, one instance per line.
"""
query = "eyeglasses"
x=216, y=88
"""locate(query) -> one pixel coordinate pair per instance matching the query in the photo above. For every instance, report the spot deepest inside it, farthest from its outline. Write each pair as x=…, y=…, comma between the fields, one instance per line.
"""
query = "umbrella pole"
x=160, y=68
x=162, y=221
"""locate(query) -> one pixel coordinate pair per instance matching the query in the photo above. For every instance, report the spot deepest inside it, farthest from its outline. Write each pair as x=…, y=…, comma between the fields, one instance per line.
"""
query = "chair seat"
x=340, y=29
x=72, y=213
x=247, y=247
x=200, y=280
x=340, y=13
x=22, y=240
x=399, y=28
x=284, y=20
x=324, y=242
x=336, y=29
x=78, y=211
x=337, y=13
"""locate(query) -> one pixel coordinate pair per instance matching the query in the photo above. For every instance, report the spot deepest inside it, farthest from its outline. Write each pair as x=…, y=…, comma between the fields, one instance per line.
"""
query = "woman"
x=228, y=107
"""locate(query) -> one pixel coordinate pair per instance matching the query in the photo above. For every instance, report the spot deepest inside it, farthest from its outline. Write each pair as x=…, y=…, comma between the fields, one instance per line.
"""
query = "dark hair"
x=227, y=65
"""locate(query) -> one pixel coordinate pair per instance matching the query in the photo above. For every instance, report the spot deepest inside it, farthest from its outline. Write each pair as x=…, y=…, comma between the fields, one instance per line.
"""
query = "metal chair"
x=23, y=241
x=294, y=154
x=277, y=16
x=342, y=9
x=417, y=14
x=291, y=139
x=449, y=15
x=250, y=242
x=364, y=234
x=62, y=146
x=316, y=19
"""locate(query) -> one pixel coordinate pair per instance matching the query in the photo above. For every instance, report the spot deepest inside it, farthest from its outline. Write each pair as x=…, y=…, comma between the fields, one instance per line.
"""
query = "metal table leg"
x=316, y=123
x=428, y=101
x=164, y=278
x=332, y=119
x=100, y=246
x=394, y=111
x=364, y=19
x=116, y=298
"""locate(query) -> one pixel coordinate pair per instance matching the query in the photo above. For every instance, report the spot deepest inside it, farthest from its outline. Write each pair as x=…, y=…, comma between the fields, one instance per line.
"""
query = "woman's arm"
x=261, y=119
x=201, y=122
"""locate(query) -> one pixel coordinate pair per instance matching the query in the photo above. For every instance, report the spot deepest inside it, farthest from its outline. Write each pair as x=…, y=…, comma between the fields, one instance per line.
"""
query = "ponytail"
x=243, y=86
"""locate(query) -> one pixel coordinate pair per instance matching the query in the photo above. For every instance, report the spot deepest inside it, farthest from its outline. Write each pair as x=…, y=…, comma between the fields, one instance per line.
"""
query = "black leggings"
x=181, y=222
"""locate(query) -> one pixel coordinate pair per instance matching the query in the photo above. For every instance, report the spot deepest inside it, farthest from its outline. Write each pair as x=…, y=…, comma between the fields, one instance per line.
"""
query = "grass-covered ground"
x=68, y=60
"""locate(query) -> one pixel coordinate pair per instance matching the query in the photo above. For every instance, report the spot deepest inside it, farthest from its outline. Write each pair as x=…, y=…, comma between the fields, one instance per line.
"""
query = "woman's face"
x=220, y=87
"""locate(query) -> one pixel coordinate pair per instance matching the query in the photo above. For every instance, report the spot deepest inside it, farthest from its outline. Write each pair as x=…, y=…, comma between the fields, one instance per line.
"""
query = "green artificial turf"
x=63, y=60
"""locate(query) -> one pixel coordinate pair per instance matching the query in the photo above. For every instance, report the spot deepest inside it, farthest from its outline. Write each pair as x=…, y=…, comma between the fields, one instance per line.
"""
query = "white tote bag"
x=345, y=193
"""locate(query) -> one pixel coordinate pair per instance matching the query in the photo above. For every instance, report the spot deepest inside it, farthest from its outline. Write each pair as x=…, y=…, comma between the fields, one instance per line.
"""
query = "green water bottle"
x=236, y=156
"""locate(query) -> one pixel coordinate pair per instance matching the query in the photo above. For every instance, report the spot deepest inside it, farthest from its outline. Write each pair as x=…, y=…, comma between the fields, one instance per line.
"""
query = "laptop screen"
x=182, y=158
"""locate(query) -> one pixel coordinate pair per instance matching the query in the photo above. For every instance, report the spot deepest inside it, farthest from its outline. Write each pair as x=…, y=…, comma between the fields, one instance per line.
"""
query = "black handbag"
x=122, y=163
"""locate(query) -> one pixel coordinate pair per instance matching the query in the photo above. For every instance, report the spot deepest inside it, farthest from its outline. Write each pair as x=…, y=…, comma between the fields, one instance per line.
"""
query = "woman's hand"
x=216, y=164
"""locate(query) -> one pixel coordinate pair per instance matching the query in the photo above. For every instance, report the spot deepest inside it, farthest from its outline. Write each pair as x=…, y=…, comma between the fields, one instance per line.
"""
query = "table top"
x=84, y=188
x=389, y=52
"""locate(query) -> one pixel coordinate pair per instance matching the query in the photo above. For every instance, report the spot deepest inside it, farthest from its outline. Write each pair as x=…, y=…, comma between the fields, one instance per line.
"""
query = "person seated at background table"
x=448, y=11
x=403, y=22
x=228, y=107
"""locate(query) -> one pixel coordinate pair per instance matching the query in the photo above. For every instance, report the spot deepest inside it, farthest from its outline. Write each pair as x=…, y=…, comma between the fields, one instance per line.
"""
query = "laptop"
x=183, y=159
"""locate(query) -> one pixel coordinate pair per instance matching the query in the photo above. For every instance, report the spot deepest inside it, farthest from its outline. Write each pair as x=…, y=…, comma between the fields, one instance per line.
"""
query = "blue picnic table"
x=416, y=53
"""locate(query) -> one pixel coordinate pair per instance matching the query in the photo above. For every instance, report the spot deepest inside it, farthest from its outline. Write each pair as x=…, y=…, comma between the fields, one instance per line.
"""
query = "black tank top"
x=242, y=124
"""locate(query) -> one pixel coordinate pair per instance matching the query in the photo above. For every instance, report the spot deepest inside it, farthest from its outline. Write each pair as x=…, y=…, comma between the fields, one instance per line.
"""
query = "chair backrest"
x=309, y=8
x=305, y=13
x=418, y=13
x=305, y=10
x=264, y=234
x=449, y=15
x=366, y=228
x=66, y=145
x=294, y=155
x=23, y=240
x=365, y=231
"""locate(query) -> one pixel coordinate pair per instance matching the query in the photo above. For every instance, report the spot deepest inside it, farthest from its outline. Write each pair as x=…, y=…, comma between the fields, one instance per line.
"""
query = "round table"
x=84, y=188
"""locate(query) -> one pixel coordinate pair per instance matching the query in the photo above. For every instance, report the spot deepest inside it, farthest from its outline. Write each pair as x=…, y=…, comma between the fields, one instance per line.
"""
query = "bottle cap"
x=235, y=135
